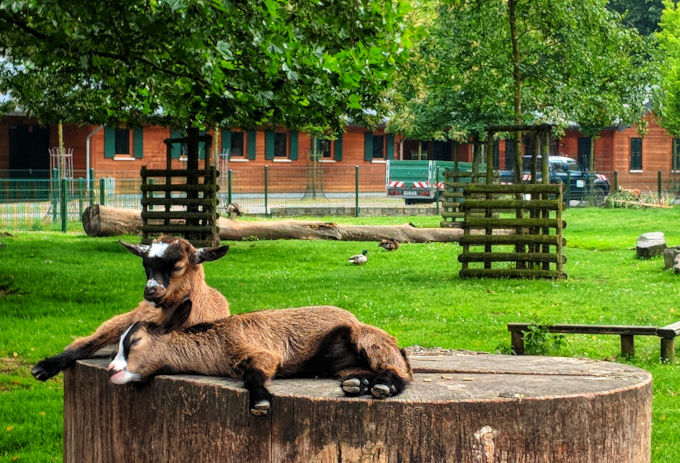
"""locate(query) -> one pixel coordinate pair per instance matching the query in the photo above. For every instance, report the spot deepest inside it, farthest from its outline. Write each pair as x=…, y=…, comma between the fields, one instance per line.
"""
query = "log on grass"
x=101, y=220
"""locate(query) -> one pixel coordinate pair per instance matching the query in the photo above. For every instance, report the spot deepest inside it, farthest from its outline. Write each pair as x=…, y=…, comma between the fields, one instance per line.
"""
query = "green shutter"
x=251, y=144
x=176, y=149
x=138, y=142
x=226, y=143
x=368, y=146
x=109, y=142
x=338, y=148
x=390, y=146
x=269, y=145
x=293, y=145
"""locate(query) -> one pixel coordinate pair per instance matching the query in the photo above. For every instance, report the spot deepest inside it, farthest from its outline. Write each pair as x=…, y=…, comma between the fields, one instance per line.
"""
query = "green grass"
x=54, y=287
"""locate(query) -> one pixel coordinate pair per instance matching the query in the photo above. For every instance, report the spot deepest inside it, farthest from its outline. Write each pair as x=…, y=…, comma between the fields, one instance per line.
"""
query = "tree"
x=529, y=62
x=644, y=15
x=668, y=98
x=201, y=63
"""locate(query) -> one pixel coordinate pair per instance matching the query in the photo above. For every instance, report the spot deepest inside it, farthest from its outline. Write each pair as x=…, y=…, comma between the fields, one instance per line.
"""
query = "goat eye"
x=177, y=269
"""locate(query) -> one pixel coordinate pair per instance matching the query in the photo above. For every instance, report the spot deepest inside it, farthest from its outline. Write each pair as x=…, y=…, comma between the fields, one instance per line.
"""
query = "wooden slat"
x=180, y=201
x=588, y=329
x=509, y=257
x=670, y=331
x=510, y=273
x=177, y=228
x=176, y=172
x=152, y=215
x=508, y=239
x=513, y=204
x=514, y=188
x=180, y=187
x=512, y=222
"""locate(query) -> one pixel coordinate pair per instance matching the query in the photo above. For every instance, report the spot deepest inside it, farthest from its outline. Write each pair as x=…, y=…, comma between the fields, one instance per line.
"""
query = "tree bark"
x=101, y=220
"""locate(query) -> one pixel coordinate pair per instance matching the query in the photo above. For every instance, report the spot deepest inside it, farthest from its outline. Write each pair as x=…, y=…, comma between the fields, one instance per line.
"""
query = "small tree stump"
x=650, y=244
x=463, y=408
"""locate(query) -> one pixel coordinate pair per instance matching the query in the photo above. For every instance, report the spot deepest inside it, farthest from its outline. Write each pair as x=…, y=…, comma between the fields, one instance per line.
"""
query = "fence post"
x=436, y=191
x=616, y=180
x=64, y=205
x=658, y=182
x=266, y=190
x=229, y=200
x=568, y=188
x=54, y=193
x=356, y=191
x=90, y=187
x=81, y=184
x=102, y=192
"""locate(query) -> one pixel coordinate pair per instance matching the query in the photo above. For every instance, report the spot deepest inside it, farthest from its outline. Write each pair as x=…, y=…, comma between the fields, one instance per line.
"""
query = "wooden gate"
x=534, y=246
x=181, y=201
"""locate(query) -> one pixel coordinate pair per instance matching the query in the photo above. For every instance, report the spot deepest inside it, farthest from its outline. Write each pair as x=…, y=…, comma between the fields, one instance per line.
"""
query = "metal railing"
x=36, y=199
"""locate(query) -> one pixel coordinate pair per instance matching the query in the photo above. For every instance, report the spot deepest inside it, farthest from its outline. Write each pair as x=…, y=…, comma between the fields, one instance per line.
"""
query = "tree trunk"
x=101, y=220
x=462, y=408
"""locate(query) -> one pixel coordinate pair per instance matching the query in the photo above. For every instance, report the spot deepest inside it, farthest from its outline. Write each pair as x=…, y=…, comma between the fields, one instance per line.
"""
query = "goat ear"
x=179, y=316
x=136, y=249
x=208, y=254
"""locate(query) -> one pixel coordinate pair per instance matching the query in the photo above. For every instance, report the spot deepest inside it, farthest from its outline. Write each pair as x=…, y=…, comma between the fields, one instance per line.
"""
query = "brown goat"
x=174, y=273
x=317, y=341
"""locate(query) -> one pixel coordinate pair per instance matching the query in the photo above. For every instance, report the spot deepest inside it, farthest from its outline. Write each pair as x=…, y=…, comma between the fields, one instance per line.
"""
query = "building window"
x=378, y=146
x=280, y=145
x=236, y=146
x=636, y=154
x=325, y=148
x=675, y=155
x=122, y=141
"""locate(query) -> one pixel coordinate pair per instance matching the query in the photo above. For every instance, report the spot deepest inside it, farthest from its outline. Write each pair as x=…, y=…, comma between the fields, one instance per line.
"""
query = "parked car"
x=563, y=169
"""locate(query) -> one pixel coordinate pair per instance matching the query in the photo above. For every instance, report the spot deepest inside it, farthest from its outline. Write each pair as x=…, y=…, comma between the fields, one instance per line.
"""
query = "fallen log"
x=101, y=220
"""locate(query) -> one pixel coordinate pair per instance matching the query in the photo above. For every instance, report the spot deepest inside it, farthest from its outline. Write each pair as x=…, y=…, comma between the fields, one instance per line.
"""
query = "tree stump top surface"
x=464, y=376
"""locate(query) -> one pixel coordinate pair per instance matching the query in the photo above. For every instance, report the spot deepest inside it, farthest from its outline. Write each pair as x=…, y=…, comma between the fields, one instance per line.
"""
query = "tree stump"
x=461, y=407
x=650, y=244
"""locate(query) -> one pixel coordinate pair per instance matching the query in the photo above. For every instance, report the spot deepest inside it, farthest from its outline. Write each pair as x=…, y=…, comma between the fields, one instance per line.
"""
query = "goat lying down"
x=174, y=272
x=317, y=341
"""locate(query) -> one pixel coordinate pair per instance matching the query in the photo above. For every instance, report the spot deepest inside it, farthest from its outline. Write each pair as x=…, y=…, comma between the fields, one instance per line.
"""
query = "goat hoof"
x=381, y=391
x=43, y=372
x=261, y=408
x=355, y=386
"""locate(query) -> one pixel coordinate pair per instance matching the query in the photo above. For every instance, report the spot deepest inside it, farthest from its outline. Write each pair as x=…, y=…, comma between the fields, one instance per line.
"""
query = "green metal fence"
x=38, y=200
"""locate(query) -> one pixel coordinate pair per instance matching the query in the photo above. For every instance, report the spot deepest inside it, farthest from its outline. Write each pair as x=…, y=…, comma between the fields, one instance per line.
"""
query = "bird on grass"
x=233, y=209
x=359, y=259
x=389, y=244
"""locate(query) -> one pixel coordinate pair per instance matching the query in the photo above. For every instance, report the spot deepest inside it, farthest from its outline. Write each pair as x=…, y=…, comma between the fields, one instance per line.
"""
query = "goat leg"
x=107, y=333
x=259, y=368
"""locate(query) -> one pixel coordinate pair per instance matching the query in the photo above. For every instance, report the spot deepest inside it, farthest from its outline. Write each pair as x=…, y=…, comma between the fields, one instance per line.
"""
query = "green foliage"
x=668, y=98
x=200, y=63
x=644, y=15
x=65, y=285
x=574, y=62
x=539, y=341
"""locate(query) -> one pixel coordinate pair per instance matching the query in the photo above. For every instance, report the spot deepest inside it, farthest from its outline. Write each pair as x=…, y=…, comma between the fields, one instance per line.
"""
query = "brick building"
x=121, y=152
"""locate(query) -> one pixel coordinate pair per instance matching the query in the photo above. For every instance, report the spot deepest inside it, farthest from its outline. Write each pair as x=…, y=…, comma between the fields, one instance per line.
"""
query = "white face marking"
x=158, y=249
x=119, y=363
x=152, y=283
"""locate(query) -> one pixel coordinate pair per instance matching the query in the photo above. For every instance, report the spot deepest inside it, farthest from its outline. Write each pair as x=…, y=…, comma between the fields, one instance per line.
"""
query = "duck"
x=359, y=259
x=389, y=243
x=233, y=208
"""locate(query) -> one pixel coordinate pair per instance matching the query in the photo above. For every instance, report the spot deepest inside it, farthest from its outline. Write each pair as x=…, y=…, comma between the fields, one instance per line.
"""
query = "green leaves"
x=243, y=63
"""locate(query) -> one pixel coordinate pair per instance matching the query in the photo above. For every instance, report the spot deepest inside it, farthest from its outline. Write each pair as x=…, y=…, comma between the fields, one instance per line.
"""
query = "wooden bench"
x=666, y=333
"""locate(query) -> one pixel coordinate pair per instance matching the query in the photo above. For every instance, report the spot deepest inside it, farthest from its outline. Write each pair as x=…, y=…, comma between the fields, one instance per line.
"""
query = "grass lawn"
x=54, y=287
